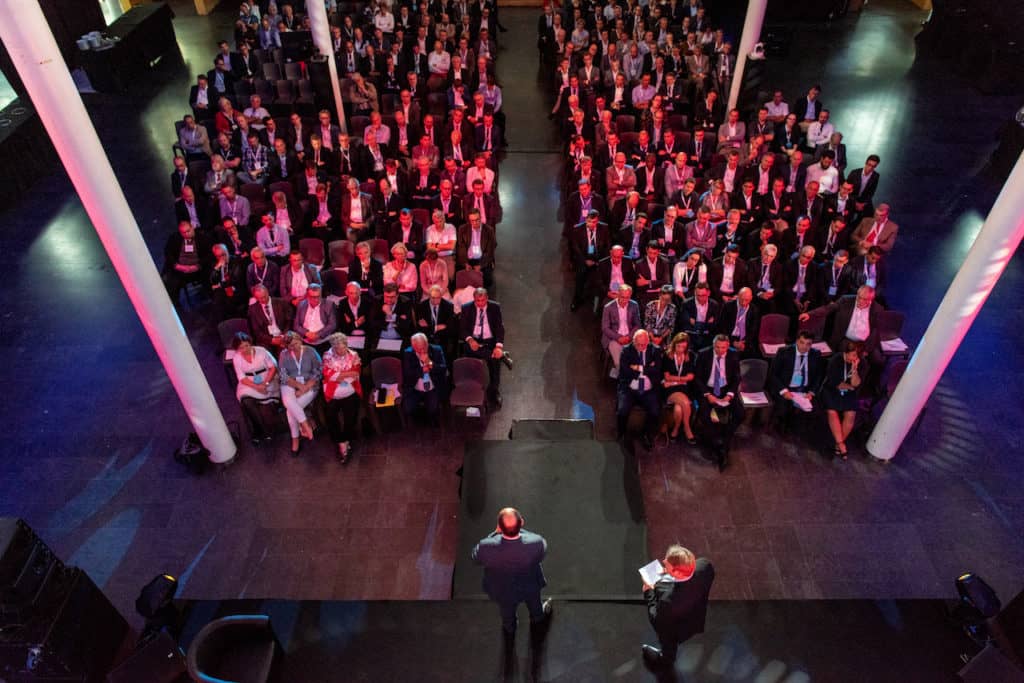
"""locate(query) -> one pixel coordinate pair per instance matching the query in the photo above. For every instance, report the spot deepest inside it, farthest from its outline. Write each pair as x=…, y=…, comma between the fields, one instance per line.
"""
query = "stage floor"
x=582, y=496
x=902, y=641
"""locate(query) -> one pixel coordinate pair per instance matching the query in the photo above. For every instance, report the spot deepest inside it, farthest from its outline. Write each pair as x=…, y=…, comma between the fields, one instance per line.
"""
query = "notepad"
x=754, y=398
x=822, y=346
x=651, y=572
x=802, y=402
x=894, y=345
x=356, y=342
x=389, y=345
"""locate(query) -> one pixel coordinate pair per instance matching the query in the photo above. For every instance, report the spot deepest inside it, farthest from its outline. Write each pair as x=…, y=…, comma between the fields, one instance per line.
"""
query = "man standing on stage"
x=511, y=558
x=677, y=603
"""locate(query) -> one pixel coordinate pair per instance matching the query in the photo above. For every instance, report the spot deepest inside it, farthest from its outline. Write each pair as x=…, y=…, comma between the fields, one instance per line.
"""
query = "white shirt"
x=623, y=320
x=481, y=331
x=827, y=178
x=729, y=178
x=728, y=270
x=780, y=109
x=702, y=311
x=356, y=214
x=859, y=328
x=312, y=321
x=475, y=250
x=799, y=376
x=819, y=133
x=717, y=362
x=299, y=283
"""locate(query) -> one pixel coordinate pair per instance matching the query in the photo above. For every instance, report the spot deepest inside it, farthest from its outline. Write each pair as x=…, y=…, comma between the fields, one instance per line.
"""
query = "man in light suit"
x=619, y=178
x=796, y=369
x=639, y=378
x=511, y=558
x=358, y=225
x=677, y=604
x=315, y=318
x=619, y=320
x=875, y=232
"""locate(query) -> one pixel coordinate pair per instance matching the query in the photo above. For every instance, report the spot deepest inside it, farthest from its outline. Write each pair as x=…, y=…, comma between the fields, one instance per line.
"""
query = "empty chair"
x=198, y=170
x=265, y=89
x=334, y=281
x=240, y=648
x=753, y=375
x=677, y=122
x=627, y=140
x=312, y=249
x=468, y=278
x=890, y=326
x=368, y=187
x=357, y=125
x=283, y=186
x=341, y=253
x=655, y=211
x=625, y=123
x=772, y=334
x=285, y=92
x=243, y=89
x=293, y=71
x=683, y=138
x=437, y=104
x=306, y=99
x=381, y=250
x=388, y=103
x=254, y=192
x=469, y=384
x=421, y=216
x=271, y=71
x=385, y=370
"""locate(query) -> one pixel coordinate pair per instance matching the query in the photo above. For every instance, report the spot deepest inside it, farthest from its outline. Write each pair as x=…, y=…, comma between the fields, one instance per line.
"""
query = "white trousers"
x=615, y=351
x=295, y=407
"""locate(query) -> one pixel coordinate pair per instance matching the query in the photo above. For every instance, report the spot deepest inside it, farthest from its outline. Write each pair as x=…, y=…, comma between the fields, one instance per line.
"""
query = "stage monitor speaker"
x=26, y=567
x=158, y=661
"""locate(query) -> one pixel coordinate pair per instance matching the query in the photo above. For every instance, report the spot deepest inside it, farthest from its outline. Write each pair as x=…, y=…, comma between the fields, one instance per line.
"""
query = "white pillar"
x=32, y=47
x=993, y=248
x=321, y=30
x=751, y=35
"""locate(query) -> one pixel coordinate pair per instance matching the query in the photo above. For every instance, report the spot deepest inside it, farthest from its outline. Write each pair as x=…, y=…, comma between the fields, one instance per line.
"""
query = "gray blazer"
x=327, y=315
x=610, y=321
x=308, y=368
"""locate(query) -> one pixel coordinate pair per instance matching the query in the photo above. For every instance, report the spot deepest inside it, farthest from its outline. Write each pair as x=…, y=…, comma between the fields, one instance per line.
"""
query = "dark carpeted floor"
x=582, y=496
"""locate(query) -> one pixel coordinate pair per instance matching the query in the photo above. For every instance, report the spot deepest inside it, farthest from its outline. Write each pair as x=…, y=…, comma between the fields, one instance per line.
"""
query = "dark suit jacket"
x=858, y=277
x=578, y=244
x=464, y=239
x=468, y=316
x=702, y=162
x=677, y=609
x=813, y=295
x=404, y=321
x=618, y=215
x=800, y=108
x=688, y=312
x=412, y=370
x=573, y=208
x=312, y=276
x=368, y=211
x=454, y=214
x=291, y=165
x=659, y=182
x=347, y=321
x=172, y=250
x=512, y=567
x=869, y=190
x=702, y=372
x=652, y=367
x=202, y=212
x=604, y=273
x=775, y=275
x=662, y=274
x=195, y=183
x=415, y=243
x=259, y=324
x=739, y=277
x=374, y=279
x=783, y=366
x=727, y=321
x=491, y=208
x=840, y=312
x=445, y=316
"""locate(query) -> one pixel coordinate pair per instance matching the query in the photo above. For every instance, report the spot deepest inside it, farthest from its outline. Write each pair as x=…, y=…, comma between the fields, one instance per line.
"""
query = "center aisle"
x=557, y=362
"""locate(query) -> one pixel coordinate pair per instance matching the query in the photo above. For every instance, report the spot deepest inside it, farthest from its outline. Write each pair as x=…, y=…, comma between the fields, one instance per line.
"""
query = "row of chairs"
x=626, y=123
x=774, y=333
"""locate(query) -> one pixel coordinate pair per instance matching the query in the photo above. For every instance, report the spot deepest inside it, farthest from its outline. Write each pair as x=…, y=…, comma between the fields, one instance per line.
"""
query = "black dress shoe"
x=723, y=460
x=507, y=360
x=652, y=656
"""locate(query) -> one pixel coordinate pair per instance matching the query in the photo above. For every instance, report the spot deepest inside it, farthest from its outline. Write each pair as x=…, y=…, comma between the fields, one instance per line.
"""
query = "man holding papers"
x=795, y=376
x=511, y=558
x=677, y=602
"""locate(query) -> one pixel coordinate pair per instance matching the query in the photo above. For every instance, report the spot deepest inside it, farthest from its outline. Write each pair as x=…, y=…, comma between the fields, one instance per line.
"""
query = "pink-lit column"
x=751, y=34
x=993, y=248
x=28, y=39
x=321, y=30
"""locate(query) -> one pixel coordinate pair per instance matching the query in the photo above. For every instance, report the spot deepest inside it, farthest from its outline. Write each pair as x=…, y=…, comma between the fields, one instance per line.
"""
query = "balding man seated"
x=639, y=382
x=424, y=378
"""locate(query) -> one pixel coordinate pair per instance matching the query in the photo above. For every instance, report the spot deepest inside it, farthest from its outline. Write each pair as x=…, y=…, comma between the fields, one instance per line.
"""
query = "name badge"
x=274, y=330
x=590, y=249
x=189, y=248
x=832, y=291
x=300, y=379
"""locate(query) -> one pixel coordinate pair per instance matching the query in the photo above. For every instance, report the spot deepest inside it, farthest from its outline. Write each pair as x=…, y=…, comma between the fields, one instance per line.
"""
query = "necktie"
x=717, y=381
x=873, y=235
x=433, y=314
x=740, y=329
x=480, y=322
x=801, y=371
x=269, y=312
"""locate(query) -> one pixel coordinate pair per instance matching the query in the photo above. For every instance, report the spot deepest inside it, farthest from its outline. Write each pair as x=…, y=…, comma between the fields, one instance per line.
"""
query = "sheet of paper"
x=802, y=402
x=229, y=354
x=389, y=345
x=651, y=572
x=822, y=346
x=772, y=349
x=356, y=341
x=754, y=398
x=894, y=345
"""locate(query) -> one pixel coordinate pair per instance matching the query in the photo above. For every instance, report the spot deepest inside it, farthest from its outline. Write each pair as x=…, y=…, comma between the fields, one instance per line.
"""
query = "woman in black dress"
x=677, y=367
x=839, y=393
